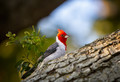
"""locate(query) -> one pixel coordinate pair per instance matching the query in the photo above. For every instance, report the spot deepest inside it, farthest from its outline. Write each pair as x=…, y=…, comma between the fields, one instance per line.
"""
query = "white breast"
x=59, y=52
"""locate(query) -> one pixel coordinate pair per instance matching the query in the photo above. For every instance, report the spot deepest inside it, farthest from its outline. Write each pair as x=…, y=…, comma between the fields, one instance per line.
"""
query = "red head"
x=62, y=36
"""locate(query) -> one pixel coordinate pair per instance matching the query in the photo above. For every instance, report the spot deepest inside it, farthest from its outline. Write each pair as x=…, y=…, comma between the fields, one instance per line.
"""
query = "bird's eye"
x=62, y=35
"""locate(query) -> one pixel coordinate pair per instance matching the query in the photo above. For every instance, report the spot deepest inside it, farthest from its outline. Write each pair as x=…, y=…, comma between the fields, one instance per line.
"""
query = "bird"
x=56, y=50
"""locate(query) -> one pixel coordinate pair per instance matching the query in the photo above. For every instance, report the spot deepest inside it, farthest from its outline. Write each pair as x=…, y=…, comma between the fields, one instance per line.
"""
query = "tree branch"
x=98, y=61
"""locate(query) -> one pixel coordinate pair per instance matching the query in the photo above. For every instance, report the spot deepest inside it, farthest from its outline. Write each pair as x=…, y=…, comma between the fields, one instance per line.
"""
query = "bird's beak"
x=67, y=36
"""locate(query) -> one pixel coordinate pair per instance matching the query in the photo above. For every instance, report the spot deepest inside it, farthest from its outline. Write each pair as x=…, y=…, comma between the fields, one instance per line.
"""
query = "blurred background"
x=83, y=20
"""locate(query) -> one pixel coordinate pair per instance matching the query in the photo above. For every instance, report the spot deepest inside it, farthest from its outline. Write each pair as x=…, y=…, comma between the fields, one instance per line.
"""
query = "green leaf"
x=27, y=68
x=33, y=28
x=19, y=62
x=7, y=35
x=29, y=47
x=8, y=43
x=38, y=31
x=14, y=35
x=19, y=67
x=25, y=65
x=23, y=45
x=26, y=33
x=43, y=36
x=22, y=71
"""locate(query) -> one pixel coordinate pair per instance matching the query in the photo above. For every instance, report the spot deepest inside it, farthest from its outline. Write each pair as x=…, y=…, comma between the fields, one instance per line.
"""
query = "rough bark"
x=16, y=15
x=95, y=62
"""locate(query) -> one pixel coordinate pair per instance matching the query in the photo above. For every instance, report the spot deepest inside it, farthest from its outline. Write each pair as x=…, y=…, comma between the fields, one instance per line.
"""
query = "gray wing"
x=51, y=49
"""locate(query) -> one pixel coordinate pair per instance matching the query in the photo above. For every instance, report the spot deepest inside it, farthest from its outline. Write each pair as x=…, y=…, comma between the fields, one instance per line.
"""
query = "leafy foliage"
x=32, y=44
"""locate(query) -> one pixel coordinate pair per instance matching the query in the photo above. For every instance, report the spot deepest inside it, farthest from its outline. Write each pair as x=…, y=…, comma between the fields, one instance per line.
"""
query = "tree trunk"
x=95, y=62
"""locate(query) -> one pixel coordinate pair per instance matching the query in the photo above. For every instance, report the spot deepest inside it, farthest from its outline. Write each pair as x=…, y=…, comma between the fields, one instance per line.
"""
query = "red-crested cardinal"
x=54, y=51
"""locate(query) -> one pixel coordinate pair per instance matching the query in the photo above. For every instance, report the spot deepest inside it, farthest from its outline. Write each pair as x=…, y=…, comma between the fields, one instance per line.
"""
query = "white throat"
x=58, y=53
x=60, y=43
